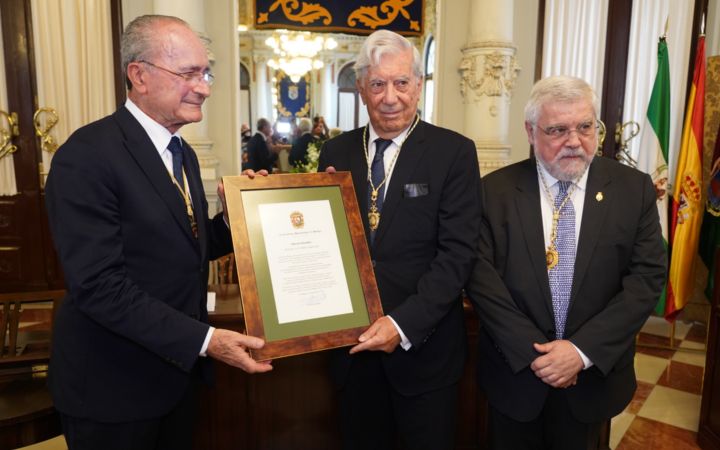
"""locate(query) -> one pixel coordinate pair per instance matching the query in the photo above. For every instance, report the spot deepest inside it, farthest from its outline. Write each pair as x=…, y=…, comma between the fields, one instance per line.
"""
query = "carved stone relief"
x=491, y=75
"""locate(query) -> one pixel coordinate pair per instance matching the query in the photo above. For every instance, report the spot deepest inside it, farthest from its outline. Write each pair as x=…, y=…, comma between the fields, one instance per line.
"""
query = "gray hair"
x=305, y=125
x=140, y=39
x=380, y=43
x=558, y=89
x=262, y=123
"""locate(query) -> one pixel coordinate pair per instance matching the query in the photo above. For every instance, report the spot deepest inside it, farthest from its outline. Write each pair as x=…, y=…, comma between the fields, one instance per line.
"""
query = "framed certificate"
x=303, y=264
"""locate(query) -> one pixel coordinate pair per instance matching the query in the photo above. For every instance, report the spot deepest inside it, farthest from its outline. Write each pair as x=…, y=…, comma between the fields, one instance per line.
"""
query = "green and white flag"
x=654, y=144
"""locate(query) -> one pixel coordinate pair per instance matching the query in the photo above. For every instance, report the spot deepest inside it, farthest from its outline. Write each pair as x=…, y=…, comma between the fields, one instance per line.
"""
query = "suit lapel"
x=593, y=217
x=141, y=148
x=528, y=209
x=411, y=154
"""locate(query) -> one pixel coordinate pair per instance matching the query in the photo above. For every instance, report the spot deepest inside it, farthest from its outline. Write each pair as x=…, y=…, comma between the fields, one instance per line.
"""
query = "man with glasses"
x=418, y=187
x=130, y=222
x=571, y=263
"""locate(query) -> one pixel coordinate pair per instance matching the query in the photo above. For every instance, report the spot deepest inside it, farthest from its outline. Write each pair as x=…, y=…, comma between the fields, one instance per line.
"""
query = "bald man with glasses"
x=130, y=222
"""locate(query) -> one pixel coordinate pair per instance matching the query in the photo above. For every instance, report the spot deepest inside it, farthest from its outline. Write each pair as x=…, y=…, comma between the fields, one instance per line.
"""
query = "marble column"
x=327, y=87
x=488, y=71
x=262, y=88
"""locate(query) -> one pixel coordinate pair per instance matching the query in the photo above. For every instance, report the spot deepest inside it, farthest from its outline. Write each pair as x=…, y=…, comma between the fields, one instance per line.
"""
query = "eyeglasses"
x=562, y=132
x=194, y=77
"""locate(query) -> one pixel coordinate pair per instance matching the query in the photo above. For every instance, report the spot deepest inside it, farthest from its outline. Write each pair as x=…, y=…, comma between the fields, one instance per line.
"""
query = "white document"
x=306, y=269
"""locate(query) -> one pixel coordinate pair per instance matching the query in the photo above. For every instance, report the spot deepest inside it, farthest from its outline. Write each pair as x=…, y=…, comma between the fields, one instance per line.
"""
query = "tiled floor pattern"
x=665, y=411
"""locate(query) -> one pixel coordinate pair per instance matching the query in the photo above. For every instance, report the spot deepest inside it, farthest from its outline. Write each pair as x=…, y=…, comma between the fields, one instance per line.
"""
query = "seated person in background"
x=319, y=129
x=246, y=136
x=298, y=152
x=261, y=153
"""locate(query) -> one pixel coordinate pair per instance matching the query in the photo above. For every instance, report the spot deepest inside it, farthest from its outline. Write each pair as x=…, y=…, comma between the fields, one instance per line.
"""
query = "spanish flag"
x=687, y=210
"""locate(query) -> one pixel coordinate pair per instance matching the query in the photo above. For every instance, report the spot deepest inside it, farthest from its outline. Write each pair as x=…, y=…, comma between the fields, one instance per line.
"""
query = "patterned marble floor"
x=665, y=411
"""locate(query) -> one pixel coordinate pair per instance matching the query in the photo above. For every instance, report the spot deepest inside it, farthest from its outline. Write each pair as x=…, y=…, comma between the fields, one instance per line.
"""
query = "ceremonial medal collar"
x=373, y=212
x=551, y=253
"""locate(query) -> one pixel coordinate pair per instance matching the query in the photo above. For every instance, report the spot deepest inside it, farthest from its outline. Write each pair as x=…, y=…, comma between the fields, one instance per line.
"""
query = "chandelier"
x=296, y=52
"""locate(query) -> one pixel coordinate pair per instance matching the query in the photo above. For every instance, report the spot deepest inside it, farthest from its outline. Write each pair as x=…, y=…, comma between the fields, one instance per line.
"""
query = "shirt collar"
x=158, y=134
x=397, y=140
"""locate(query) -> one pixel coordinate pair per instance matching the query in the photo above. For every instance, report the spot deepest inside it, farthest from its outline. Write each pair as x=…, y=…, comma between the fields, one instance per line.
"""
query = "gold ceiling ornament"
x=309, y=12
x=296, y=52
x=44, y=120
x=368, y=15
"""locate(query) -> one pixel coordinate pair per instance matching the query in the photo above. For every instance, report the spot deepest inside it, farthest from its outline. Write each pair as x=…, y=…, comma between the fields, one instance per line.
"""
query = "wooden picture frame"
x=281, y=226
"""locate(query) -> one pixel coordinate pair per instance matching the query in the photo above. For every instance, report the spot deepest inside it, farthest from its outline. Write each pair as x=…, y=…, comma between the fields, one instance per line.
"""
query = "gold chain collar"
x=373, y=212
x=551, y=254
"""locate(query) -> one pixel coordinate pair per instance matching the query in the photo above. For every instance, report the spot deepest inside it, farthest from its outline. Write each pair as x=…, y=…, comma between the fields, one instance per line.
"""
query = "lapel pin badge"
x=599, y=196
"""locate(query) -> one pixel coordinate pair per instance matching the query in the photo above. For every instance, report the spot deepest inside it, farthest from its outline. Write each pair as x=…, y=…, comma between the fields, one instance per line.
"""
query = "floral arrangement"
x=313, y=155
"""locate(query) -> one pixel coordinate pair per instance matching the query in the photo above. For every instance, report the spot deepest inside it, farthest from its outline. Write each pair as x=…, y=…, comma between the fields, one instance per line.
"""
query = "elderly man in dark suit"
x=299, y=150
x=130, y=221
x=571, y=263
x=262, y=153
x=418, y=187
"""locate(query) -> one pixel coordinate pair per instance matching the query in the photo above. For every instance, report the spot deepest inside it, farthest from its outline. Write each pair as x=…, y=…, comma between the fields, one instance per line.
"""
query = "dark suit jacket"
x=299, y=150
x=259, y=155
x=619, y=274
x=130, y=330
x=424, y=249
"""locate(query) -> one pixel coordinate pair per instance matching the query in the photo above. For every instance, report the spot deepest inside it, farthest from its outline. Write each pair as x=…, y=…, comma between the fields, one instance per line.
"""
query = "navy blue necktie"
x=177, y=157
x=377, y=175
x=561, y=276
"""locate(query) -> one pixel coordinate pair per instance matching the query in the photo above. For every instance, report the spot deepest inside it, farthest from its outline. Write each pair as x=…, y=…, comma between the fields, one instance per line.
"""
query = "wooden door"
x=27, y=258
x=28, y=261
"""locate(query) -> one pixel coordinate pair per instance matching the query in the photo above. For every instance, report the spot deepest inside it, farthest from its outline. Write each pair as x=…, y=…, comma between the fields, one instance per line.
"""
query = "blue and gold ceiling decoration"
x=347, y=16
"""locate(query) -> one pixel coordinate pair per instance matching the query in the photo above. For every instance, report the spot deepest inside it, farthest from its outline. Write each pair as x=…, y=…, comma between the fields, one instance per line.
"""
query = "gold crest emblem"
x=293, y=92
x=297, y=219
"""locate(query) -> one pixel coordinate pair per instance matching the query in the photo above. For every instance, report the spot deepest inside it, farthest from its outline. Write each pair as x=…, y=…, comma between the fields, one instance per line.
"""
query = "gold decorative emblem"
x=599, y=196
x=297, y=220
x=374, y=219
x=368, y=15
x=689, y=198
x=551, y=257
x=44, y=120
x=293, y=92
x=309, y=12
x=373, y=214
x=6, y=135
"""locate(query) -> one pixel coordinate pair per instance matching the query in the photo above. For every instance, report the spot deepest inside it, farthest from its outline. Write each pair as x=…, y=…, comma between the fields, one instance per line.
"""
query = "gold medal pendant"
x=373, y=219
x=551, y=257
x=373, y=214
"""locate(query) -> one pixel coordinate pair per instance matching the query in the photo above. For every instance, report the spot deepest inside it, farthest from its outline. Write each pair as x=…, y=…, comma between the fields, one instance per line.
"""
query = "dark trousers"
x=374, y=416
x=554, y=429
x=170, y=432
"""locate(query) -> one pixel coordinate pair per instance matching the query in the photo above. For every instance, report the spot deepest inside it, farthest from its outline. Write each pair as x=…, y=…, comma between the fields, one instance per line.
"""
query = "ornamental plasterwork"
x=491, y=75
